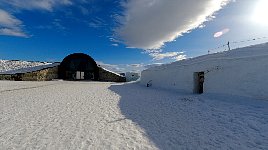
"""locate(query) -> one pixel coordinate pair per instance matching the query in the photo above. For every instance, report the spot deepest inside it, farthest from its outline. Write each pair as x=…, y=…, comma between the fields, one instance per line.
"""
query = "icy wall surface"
x=240, y=72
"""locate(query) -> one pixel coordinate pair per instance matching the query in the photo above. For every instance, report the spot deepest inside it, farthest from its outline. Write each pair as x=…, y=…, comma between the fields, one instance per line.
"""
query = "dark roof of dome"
x=78, y=55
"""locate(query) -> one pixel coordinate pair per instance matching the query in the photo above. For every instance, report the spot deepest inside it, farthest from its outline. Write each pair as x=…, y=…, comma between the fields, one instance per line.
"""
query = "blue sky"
x=127, y=34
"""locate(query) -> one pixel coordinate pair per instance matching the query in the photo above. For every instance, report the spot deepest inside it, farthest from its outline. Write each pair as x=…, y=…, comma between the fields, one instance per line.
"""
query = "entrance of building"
x=199, y=78
x=80, y=75
x=78, y=66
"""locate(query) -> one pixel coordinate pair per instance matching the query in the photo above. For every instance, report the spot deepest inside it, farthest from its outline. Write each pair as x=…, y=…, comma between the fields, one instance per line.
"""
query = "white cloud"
x=10, y=25
x=179, y=57
x=172, y=55
x=8, y=20
x=115, y=44
x=37, y=4
x=12, y=32
x=113, y=39
x=122, y=68
x=153, y=65
x=114, y=68
x=148, y=24
x=135, y=65
x=221, y=33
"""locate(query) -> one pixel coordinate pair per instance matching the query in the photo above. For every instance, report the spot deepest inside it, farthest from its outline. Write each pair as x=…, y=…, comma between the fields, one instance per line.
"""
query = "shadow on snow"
x=158, y=113
x=173, y=120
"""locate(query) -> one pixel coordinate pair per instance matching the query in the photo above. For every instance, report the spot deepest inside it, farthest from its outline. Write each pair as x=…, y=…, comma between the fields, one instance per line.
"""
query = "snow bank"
x=240, y=72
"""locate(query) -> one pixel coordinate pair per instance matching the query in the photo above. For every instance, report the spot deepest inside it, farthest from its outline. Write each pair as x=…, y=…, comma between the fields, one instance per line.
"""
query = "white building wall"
x=241, y=76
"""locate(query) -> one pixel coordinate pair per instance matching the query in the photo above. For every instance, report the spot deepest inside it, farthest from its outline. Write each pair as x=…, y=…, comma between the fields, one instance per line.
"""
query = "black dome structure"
x=78, y=66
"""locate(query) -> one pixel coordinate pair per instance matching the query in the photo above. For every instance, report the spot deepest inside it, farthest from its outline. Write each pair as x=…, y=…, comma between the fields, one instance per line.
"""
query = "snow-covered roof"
x=250, y=51
x=112, y=72
x=31, y=69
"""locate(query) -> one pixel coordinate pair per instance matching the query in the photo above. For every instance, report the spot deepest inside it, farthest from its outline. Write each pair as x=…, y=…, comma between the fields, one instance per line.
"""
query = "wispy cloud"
x=113, y=39
x=84, y=10
x=149, y=24
x=57, y=24
x=97, y=23
x=135, y=65
x=115, y=44
x=171, y=55
x=152, y=65
x=10, y=25
x=114, y=68
x=47, y=5
x=122, y=68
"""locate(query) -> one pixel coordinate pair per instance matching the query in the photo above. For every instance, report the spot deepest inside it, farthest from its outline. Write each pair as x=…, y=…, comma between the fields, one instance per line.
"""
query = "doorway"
x=80, y=75
x=199, y=78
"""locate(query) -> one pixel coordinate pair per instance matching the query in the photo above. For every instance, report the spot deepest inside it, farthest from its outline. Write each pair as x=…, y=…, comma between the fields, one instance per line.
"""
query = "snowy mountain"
x=9, y=65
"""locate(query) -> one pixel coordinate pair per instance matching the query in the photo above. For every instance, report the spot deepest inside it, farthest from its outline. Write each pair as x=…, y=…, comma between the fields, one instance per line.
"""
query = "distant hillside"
x=7, y=65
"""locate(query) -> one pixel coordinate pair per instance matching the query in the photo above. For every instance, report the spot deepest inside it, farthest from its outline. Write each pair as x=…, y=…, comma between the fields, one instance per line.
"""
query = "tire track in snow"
x=27, y=88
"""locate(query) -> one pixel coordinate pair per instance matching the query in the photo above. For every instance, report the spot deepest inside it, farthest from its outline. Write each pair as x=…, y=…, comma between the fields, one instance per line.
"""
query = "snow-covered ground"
x=98, y=115
x=65, y=115
x=8, y=65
